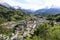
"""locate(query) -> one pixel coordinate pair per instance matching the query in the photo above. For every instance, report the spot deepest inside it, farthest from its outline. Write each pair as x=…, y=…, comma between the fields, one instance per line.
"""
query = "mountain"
x=52, y=10
x=28, y=11
x=40, y=11
x=7, y=14
x=7, y=5
x=48, y=11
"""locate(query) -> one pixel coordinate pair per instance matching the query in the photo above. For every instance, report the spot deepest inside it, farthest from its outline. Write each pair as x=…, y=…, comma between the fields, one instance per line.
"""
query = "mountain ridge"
x=52, y=10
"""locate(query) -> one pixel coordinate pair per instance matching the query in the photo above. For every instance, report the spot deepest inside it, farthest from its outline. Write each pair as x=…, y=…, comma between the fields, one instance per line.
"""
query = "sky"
x=33, y=4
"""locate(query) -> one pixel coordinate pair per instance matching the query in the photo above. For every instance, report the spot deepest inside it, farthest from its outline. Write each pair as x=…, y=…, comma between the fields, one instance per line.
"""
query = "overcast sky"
x=33, y=4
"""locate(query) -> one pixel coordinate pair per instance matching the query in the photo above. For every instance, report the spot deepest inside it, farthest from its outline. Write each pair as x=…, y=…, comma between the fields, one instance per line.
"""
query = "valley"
x=22, y=24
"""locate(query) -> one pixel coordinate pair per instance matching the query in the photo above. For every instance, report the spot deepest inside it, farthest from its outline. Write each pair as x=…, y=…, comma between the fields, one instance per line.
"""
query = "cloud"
x=33, y=4
x=28, y=0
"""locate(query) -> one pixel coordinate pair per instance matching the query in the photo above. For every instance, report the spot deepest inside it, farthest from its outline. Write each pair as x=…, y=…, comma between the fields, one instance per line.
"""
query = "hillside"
x=9, y=14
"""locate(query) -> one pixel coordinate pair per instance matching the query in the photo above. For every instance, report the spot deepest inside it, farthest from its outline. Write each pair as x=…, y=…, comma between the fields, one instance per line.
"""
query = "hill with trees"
x=9, y=14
